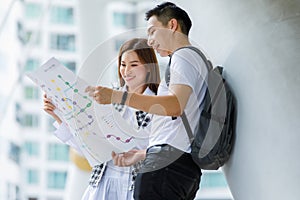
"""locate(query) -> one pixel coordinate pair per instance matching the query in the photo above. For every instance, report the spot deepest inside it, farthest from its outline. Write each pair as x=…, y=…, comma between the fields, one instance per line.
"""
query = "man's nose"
x=150, y=41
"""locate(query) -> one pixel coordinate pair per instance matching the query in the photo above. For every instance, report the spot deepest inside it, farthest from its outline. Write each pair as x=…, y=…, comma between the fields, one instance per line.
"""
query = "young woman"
x=138, y=72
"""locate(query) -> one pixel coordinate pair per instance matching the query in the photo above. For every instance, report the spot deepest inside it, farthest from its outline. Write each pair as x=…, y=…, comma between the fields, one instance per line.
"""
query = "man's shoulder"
x=184, y=52
x=181, y=50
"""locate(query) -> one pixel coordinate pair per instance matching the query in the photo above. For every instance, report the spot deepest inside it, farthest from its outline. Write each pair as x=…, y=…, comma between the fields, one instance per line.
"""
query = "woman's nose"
x=127, y=70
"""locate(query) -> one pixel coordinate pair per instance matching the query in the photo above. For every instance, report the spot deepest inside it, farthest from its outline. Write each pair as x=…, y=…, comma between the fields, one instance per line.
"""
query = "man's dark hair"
x=167, y=11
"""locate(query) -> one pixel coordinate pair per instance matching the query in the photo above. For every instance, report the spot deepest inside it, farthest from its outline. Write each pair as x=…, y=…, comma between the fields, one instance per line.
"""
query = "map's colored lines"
x=76, y=91
x=68, y=100
x=58, y=89
x=90, y=117
x=74, y=108
x=119, y=139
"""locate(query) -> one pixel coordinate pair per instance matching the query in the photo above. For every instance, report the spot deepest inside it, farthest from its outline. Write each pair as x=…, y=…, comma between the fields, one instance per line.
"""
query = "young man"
x=167, y=170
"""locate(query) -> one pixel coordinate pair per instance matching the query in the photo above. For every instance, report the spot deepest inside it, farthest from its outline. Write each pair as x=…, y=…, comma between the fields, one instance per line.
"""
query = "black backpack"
x=212, y=143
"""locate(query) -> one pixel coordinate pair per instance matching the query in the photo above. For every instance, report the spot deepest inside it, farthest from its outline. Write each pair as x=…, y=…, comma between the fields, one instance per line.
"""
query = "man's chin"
x=162, y=53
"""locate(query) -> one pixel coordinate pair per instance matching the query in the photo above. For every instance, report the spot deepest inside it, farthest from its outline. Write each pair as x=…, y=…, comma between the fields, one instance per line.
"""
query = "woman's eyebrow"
x=134, y=61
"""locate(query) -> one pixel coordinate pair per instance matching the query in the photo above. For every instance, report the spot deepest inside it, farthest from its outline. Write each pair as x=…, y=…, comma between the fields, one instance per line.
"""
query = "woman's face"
x=133, y=71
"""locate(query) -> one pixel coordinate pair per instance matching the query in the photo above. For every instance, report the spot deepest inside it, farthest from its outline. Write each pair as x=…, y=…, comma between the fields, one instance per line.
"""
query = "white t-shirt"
x=186, y=68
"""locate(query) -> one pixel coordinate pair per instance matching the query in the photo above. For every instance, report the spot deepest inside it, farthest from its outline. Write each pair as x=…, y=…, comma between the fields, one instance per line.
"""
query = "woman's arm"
x=62, y=132
x=49, y=108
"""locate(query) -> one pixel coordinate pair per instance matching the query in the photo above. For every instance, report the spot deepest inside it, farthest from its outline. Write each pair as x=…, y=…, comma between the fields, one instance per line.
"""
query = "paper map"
x=99, y=135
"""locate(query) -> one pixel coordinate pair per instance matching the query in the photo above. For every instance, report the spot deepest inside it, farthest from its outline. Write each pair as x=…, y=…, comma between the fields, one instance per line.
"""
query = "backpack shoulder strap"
x=206, y=61
x=183, y=116
x=187, y=127
x=167, y=78
x=208, y=64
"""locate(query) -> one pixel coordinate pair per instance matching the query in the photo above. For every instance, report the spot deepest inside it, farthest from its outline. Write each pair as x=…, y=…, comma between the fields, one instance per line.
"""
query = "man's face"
x=159, y=36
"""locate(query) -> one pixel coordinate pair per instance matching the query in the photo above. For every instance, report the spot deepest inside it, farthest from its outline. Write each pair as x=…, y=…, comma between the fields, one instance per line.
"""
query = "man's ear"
x=173, y=24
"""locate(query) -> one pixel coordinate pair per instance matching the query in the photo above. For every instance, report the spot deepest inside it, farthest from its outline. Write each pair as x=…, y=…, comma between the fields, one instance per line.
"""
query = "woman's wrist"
x=59, y=121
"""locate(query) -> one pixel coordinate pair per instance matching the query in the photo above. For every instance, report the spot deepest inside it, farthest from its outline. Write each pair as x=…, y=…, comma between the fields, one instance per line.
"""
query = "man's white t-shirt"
x=186, y=68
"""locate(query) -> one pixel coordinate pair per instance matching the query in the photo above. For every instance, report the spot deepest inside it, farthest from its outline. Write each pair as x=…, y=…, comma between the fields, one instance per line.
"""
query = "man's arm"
x=168, y=105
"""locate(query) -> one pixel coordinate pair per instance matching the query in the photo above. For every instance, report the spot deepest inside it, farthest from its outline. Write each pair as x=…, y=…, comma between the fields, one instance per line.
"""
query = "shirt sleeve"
x=64, y=134
x=187, y=68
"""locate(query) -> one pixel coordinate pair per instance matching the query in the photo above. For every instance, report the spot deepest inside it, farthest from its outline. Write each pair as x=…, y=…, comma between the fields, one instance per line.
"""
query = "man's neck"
x=181, y=40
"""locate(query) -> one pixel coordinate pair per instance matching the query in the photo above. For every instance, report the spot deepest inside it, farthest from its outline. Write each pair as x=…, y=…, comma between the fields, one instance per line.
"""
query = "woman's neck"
x=139, y=90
